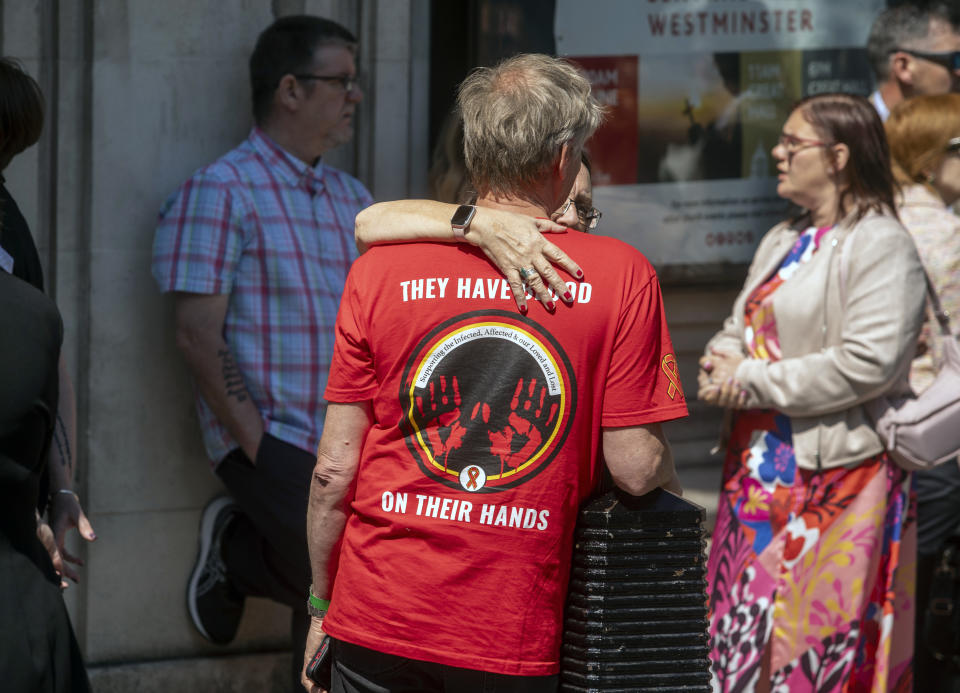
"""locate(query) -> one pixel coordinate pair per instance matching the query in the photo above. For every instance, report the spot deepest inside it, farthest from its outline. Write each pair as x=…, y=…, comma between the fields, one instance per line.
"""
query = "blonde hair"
x=918, y=130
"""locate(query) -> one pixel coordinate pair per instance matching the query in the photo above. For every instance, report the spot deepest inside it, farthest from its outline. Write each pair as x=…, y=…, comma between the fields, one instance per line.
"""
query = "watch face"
x=463, y=215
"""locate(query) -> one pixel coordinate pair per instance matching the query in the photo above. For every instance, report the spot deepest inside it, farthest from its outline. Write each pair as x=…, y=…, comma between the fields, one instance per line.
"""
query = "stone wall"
x=139, y=95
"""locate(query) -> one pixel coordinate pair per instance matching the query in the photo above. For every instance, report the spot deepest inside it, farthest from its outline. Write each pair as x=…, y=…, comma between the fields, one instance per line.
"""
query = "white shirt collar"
x=6, y=261
x=880, y=105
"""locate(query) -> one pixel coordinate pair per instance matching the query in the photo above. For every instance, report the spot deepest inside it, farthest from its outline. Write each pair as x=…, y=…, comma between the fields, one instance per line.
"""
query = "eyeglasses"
x=589, y=217
x=348, y=83
x=949, y=59
x=794, y=144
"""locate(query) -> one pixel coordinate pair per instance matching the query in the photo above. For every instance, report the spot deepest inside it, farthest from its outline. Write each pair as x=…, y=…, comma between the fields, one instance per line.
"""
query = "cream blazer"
x=839, y=348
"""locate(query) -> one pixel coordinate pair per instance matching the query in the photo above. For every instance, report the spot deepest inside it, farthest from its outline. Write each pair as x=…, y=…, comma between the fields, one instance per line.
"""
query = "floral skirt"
x=811, y=574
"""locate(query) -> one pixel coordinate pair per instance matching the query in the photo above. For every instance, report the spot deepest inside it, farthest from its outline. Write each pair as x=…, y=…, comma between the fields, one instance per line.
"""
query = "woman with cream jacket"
x=808, y=572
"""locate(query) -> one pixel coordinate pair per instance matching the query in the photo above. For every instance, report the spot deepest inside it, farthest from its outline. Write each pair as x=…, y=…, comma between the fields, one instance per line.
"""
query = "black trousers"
x=361, y=670
x=938, y=516
x=265, y=551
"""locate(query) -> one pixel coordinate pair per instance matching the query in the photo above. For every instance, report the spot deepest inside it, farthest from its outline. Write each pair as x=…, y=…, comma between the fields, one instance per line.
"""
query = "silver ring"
x=525, y=273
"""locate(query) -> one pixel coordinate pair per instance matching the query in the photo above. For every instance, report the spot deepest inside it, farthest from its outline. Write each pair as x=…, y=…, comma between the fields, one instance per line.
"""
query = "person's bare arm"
x=511, y=241
x=199, y=320
x=338, y=458
x=65, y=511
x=639, y=459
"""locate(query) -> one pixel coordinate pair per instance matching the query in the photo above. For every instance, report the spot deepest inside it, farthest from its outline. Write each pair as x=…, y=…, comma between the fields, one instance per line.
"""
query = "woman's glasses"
x=793, y=144
x=589, y=217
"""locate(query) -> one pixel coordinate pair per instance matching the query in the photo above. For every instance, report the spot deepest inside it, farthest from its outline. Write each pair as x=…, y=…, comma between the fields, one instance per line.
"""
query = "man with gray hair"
x=461, y=437
x=913, y=51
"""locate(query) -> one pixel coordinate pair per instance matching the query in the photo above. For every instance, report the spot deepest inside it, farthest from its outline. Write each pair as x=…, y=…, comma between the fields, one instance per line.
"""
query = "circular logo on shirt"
x=473, y=478
x=488, y=398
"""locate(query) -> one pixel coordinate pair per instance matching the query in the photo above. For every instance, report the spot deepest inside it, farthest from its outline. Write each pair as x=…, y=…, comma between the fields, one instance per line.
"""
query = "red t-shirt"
x=486, y=440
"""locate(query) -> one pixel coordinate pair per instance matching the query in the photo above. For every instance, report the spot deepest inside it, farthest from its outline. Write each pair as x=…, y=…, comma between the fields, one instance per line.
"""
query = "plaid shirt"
x=277, y=236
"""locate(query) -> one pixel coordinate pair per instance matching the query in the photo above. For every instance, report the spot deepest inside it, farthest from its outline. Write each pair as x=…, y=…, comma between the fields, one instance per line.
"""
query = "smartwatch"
x=461, y=219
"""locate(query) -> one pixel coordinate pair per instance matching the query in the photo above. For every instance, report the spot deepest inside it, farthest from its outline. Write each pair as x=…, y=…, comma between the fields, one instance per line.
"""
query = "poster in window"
x=696, y=92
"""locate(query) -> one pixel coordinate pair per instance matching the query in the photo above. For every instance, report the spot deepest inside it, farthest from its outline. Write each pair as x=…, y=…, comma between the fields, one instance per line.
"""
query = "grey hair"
x=518, y=114
x=897, y=26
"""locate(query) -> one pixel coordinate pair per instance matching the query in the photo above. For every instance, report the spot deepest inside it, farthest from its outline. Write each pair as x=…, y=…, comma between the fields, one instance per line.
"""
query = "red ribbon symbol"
x=473, y=473
x=669, y=366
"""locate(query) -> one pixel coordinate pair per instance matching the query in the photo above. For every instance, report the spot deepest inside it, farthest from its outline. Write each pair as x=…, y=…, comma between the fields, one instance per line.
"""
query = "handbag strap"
x=941, y=315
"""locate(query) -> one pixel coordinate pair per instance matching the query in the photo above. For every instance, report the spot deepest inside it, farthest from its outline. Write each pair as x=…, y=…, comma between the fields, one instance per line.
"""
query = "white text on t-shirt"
x=480, y=287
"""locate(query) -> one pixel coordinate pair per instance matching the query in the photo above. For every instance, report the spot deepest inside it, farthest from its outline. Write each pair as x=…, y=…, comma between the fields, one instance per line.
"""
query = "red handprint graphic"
x=530, y=417
x=487, y=416
x=441, y=414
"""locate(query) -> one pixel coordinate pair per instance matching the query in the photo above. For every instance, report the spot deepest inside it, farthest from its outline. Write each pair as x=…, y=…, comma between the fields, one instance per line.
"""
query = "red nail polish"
x=579, y=274
x=567, y=296
x=551, y=306
x=523, y=310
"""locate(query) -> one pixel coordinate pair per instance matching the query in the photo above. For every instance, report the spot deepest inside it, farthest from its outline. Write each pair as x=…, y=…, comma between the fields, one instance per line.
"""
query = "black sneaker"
x=215, y=605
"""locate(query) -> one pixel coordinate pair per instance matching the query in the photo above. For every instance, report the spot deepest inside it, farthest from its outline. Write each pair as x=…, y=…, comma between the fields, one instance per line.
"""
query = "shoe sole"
x=207, y=521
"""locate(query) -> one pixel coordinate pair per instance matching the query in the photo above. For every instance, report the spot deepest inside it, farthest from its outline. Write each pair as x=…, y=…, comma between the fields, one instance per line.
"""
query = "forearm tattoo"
x=62, y=441
x=232, y=378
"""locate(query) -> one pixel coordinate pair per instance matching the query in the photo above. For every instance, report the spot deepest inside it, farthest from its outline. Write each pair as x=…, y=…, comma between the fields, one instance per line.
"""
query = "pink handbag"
x=923, y=431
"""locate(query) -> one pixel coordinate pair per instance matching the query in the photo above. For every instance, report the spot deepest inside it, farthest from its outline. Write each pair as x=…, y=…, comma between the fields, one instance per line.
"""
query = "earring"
x=931, y=178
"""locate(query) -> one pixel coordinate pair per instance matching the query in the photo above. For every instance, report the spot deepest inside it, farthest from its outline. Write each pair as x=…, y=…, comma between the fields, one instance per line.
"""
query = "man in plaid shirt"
x=256, y=247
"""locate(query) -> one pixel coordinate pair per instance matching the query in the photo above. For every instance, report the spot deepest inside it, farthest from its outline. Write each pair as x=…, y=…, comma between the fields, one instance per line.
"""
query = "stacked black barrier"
x=636, y=615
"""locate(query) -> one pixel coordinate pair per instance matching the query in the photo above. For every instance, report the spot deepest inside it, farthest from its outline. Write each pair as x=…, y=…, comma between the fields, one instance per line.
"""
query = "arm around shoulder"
x=511, y=241
x=404, y=221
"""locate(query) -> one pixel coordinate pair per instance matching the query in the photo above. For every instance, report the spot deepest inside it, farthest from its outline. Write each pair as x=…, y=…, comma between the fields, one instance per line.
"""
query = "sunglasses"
x=347, y=83
x=949, y=59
